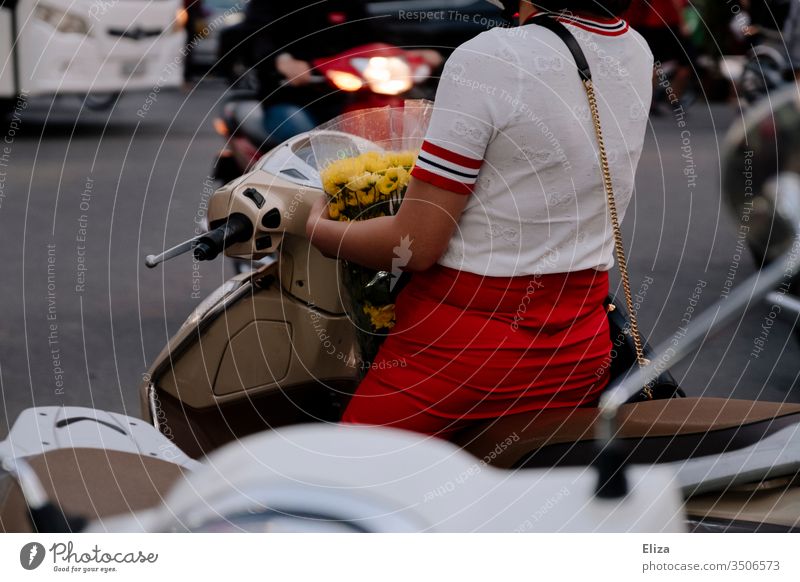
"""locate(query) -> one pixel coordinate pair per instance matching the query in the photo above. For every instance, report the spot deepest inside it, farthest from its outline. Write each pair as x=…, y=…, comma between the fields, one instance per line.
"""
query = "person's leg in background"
x=285, y=120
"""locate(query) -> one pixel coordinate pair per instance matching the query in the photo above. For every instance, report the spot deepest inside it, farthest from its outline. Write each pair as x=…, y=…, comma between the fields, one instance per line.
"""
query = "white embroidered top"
x=511, y=128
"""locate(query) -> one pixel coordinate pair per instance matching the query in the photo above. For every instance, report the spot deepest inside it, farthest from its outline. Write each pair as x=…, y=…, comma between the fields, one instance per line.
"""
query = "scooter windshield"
x=351, y=134
x=384, y=129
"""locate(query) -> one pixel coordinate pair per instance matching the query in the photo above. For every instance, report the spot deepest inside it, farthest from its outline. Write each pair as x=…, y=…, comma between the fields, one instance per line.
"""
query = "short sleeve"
x=476, y=91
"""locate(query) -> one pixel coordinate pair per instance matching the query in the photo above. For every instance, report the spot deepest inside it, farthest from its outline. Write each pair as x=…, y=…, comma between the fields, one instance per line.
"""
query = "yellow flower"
x=405, y=158
x=366, y=197
x=403, y=176
x=380, y=317
x=350, y=198
x=393, y=179
x=374, y=161
x=352, y=166
x=361, y=182
x=333, y=181
x=333, y=209
x=328, y=184
x=386, y=185
x=339, y=173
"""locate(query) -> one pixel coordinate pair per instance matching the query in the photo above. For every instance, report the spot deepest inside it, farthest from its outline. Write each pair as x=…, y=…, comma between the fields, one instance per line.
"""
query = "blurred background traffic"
x=99, y=49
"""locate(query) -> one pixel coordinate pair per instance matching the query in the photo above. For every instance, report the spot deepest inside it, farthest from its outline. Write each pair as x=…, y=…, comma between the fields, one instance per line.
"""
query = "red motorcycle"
x=371, y=75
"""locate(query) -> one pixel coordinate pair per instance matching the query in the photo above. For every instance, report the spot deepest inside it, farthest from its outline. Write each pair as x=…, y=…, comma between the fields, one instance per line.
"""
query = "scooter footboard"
x=259, y=359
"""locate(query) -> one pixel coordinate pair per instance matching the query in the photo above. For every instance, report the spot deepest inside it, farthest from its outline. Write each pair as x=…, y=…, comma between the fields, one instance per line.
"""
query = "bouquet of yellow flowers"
x=365, y=159
x=368, y=186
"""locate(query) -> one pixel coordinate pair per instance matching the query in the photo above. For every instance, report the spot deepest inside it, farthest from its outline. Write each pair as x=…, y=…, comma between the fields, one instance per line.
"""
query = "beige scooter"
x=275, y=348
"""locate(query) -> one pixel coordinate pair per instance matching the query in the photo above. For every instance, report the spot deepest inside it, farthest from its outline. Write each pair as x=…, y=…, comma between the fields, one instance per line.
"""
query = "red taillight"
x=345, y=81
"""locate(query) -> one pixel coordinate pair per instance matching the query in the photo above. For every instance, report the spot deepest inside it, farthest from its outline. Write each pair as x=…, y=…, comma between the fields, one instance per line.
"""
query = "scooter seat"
x=89, y=483
x=655, y=431
x=248, y=118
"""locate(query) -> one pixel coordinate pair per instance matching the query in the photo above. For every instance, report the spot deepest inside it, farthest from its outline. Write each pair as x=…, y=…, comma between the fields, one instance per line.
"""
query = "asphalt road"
x=85, y=196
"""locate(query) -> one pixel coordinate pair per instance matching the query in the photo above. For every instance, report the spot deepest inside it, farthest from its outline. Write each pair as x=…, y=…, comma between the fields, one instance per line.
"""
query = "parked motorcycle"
x=256, y=377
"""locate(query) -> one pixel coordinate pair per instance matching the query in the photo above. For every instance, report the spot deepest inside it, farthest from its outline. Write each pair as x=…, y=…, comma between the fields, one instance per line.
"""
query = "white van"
x=89, y=47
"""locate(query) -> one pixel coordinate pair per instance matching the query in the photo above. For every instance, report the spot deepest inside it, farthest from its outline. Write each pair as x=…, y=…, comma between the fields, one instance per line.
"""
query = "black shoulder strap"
x=550, y=23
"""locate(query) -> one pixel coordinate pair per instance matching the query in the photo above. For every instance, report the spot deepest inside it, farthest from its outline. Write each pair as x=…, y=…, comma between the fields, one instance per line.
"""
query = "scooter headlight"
x=60, y=20
x=388, y=75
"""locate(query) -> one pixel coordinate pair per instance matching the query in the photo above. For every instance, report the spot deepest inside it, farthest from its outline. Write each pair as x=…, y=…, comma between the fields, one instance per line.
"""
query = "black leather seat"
x=654, y=431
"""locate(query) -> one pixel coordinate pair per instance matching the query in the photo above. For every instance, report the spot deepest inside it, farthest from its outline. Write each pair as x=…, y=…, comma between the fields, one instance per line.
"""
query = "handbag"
x=628, y=349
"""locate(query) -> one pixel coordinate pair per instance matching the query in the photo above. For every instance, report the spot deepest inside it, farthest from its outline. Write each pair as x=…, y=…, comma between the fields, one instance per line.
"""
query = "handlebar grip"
x=236, y=228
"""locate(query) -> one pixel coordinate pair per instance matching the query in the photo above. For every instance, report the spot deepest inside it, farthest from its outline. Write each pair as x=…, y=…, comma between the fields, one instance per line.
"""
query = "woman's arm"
x=427, y=220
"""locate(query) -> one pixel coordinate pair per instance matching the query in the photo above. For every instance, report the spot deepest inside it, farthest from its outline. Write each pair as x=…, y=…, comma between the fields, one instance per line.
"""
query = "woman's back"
x=513, y=98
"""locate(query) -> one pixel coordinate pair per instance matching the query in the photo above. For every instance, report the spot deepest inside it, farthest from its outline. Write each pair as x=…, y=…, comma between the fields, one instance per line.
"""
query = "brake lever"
x=153, y=260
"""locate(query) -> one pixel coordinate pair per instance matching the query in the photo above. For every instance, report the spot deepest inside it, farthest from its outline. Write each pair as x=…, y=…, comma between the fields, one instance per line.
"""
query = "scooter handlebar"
x=236, y=228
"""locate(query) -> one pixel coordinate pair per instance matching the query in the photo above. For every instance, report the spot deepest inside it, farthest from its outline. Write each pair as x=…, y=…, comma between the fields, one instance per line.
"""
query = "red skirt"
x=467, y=347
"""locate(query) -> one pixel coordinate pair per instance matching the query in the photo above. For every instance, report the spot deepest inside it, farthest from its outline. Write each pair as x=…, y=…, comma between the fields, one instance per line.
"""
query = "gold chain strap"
x=619, y=247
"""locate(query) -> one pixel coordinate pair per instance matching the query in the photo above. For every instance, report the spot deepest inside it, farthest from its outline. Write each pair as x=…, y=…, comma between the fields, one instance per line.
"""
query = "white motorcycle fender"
x=46, y=428
x=388, y=480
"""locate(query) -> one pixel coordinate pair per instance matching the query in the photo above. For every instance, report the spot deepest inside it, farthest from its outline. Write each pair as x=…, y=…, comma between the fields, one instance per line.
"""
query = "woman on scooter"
x=510, y=237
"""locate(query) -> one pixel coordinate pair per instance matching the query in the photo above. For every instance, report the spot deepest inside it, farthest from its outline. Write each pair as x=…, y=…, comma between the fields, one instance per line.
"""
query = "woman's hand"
x=317, y=214
x=426, y=220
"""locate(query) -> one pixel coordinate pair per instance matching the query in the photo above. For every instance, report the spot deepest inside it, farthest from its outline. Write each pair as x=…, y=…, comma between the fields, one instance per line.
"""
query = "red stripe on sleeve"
x=442, y=182
x=600, y=31
x=451, y=157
